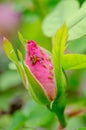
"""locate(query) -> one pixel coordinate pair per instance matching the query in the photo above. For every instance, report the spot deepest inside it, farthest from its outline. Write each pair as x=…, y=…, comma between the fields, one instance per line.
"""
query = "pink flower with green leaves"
x=40, y=64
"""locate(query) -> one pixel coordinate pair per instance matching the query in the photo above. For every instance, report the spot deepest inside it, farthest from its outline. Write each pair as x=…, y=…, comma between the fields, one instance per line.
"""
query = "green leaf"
x=74, y=61
x=63, y=11
x=76, y=24
x=58, y=50
x=78, y=45
x=69, y=12
x=83, y=128
x=12, y=56
x=36, y=88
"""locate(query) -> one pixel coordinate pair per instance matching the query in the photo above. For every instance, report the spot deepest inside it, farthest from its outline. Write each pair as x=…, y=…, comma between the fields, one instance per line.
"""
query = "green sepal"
x=8, y=48
x=59, y=104
x=22, y=40
x=64, y=78
x=58, y=52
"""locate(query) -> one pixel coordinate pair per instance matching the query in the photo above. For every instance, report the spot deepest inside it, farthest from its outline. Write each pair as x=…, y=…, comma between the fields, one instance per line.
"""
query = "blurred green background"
x=18, y=111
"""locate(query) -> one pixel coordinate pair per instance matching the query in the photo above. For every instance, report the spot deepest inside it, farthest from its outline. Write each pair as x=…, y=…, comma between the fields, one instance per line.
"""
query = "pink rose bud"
x=39, y=62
